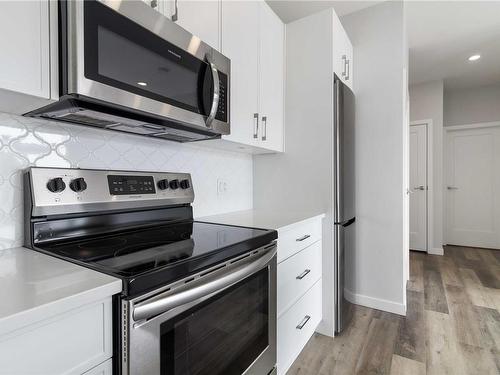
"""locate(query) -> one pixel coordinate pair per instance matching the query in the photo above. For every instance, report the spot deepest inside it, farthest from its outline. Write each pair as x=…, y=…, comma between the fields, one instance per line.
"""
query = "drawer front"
x=297, y=274
x=69, y=343
x=297, y=325
x=297, y=238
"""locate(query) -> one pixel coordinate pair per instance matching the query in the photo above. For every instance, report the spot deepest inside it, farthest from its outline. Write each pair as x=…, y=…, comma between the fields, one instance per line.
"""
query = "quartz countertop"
x=279, y=220
x=35, y=286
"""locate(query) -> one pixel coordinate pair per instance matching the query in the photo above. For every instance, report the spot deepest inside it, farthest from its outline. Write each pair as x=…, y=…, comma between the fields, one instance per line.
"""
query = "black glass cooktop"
x=151, y=257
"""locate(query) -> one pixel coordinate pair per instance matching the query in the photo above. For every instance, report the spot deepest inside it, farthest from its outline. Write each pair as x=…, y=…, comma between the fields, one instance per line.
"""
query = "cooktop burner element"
x=147, y=239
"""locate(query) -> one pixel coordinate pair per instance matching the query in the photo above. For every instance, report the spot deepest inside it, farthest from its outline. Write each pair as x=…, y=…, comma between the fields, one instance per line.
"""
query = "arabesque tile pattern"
x=26, y=141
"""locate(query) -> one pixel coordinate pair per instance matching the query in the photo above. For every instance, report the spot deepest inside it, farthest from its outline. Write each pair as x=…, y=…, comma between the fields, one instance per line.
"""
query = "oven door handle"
x=231, y=277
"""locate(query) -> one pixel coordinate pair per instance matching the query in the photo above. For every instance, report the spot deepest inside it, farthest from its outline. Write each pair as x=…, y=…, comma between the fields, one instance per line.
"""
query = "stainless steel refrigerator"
x=344, y=198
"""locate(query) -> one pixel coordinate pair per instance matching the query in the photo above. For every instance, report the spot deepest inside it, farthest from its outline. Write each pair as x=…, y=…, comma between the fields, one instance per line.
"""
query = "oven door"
x=222, y=324
x=129, y=55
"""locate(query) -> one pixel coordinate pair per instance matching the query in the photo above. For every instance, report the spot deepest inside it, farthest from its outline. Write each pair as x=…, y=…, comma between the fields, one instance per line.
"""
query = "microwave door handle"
x=215, y=99
x=163, y=304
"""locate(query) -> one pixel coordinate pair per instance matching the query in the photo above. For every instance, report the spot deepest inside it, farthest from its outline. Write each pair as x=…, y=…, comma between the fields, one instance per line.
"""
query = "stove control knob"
x=185, y=184
x=174, y=184
x=56, y=185
x=78, y=185
x=163, y=184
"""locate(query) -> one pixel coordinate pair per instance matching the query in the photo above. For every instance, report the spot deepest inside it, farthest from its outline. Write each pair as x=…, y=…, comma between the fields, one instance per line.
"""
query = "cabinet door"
x=200, y=18
x=342, y=53
x=240, y=42
x=271, y=63
x=24, y=42
x=350, y=62
x=340, y=57
x=339, y=53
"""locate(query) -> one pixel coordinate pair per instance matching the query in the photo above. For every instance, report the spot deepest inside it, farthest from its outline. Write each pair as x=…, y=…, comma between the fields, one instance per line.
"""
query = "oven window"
x=224, y=335
x=123, y=54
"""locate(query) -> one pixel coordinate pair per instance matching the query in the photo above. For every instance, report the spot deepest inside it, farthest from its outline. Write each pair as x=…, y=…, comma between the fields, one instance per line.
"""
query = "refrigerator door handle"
x=346, y=223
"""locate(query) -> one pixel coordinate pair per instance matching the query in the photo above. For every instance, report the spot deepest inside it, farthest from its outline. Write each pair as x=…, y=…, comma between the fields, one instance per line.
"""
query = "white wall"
x=378, y=274
x=301, y=178
x=426, y=103
x=469, y=106
x=27, y=141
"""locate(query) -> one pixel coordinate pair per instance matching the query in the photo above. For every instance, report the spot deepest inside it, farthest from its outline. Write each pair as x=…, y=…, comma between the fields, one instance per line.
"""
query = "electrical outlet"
x=222, y=186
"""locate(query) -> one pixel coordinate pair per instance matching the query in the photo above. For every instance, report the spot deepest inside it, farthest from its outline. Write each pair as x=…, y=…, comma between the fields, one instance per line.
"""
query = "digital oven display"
x=127, y=185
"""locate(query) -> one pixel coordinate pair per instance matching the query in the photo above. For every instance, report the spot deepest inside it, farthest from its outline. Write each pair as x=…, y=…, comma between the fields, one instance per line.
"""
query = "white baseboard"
x=375, y=303
x=436, y=251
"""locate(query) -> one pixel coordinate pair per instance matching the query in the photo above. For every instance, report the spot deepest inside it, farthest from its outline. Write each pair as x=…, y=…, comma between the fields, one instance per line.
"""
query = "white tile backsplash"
x=27, y=141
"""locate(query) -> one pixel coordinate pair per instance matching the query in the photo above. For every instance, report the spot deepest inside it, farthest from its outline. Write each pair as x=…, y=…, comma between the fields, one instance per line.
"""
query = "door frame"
x=430, y=184
x=446, y=161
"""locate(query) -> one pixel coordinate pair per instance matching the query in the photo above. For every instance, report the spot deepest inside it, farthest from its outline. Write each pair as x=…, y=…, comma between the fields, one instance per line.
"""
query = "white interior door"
x=473, y=187
x=418, y=187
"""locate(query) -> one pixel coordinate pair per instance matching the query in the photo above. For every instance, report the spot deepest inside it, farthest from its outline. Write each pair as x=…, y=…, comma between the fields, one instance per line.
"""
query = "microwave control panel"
x=223, y=88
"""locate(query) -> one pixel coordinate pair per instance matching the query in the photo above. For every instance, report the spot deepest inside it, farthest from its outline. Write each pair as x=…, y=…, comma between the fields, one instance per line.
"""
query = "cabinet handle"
x=303, y=322
x=303, y=274
x=305, y=237
x=344, y=59
x=153, y=4
x=256, y=125
x=264, y=128
x=175, y=16
x=348, y=75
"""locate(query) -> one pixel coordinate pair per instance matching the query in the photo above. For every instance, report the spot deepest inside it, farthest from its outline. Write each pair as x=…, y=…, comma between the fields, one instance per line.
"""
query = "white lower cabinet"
x=294, y=239
x=73, y=342
x=297, y=325
x=299, y=288
x=297, y=275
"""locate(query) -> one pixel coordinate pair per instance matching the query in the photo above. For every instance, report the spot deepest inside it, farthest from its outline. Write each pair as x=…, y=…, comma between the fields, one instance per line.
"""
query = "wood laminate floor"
x=452, y=324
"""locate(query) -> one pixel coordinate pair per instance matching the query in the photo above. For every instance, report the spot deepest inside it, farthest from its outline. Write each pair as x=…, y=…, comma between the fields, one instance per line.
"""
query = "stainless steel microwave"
x=124, y=66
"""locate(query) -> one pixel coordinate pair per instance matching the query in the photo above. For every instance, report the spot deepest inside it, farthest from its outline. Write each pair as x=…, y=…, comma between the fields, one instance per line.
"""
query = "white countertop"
x=278, y=220
x=35, y=286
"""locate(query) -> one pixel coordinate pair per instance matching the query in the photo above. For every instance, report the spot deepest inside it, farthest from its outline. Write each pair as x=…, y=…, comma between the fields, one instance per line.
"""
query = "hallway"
x=452, y=324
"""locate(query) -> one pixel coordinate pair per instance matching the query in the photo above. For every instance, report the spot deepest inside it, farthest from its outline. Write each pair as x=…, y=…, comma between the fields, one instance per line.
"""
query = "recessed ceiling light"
x=142, y=83
x=474, y=57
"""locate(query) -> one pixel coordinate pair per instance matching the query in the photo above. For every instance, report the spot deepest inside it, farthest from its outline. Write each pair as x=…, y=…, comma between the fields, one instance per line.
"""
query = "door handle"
x=346, y=223
x=172, y=299
x=303, y=274
x=256, y=125
x=344, y=60
x=347, y=76
x=303, y=322
x=175, y=16
x=305, y=237
x=421, y=187
x=264, y=128
x=215, y=100
x=452, y=188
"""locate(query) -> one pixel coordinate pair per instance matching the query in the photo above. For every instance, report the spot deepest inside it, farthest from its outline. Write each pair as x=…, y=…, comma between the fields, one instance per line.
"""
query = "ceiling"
x=443, y=34
x=291, y=10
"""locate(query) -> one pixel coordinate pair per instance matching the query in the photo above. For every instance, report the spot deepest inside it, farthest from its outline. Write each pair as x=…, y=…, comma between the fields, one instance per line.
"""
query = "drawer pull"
x=303, y=238
x=303, y=274
x=303, y=322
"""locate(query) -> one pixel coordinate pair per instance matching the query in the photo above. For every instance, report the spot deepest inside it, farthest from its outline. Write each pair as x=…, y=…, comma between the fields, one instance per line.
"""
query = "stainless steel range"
x=198, y=298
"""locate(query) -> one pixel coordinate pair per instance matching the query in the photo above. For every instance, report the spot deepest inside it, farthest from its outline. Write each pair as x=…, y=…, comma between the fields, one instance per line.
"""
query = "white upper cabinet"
x=24, y=46
x=200, y=18
x=253, y=38
x=342, y=53
x=271, y=62
x=240, y=42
